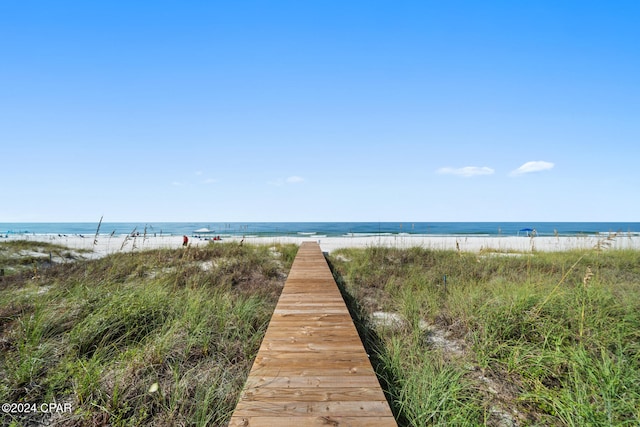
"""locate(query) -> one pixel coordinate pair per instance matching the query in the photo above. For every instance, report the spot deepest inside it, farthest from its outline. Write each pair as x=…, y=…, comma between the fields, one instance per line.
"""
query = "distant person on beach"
x=185, y=240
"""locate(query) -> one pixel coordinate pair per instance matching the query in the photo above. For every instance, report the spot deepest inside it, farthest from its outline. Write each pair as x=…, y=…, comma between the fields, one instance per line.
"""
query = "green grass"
x=161, y=337
x=167, y=337
x=548, y=338
x=19, y=256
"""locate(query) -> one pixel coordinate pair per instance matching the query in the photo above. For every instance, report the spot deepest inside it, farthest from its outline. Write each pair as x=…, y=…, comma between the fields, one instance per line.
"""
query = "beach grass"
x=18, y=256
x=163, y=337
x=500, y=339
x=167, y=337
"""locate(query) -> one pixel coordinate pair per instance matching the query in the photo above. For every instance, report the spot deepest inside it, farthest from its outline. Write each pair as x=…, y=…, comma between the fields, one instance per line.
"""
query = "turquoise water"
x=328, y=229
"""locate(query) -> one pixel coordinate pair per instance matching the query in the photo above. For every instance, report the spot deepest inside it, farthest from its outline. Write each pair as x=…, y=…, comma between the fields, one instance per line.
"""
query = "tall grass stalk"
x=95, y=238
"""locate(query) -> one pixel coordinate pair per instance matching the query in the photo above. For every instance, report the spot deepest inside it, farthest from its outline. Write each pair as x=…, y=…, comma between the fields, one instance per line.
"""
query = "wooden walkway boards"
x=311, y=369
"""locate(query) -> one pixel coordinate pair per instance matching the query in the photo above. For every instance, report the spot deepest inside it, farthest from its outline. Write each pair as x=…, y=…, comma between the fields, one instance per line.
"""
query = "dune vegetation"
x=167, y=337
x=163, y=337
x=472, y=339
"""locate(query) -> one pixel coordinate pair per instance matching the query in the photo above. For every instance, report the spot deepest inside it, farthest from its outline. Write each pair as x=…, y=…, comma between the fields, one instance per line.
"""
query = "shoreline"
x=501, y=244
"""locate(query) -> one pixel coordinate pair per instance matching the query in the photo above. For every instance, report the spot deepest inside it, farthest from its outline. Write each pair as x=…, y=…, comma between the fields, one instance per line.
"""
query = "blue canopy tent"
x=529, y=231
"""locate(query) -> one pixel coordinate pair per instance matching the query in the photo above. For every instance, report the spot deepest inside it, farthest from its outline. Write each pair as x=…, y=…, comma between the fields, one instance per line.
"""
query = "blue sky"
x=319, y=111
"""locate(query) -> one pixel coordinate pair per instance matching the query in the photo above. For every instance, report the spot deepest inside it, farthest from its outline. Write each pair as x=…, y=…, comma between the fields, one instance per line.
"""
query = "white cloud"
x=467, y=171
x=530, y=167
x=209, y=181
x=294, y=180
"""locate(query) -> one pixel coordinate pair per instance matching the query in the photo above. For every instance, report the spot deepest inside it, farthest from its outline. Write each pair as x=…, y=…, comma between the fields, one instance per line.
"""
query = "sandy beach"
x=112, y=244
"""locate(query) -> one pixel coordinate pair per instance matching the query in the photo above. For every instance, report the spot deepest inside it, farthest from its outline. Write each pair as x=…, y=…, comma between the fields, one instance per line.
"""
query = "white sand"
x=107, y=244
x=464, y=243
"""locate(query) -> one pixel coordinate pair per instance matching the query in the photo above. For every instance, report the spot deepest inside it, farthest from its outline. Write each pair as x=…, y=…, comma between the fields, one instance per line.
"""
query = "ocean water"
x=325, y=229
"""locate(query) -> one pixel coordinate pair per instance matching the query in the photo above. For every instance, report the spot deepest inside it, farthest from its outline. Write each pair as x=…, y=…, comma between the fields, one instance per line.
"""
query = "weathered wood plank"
x=325, y=394
x=319, y=421
x=311, y=381
x=302, y=347
x=311, y=369
x=302, y=371
x=340, y=408
x=308, y=363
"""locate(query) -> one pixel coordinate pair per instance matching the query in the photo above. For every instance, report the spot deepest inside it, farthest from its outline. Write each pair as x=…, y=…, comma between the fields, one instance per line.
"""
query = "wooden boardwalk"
x=311, y=369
